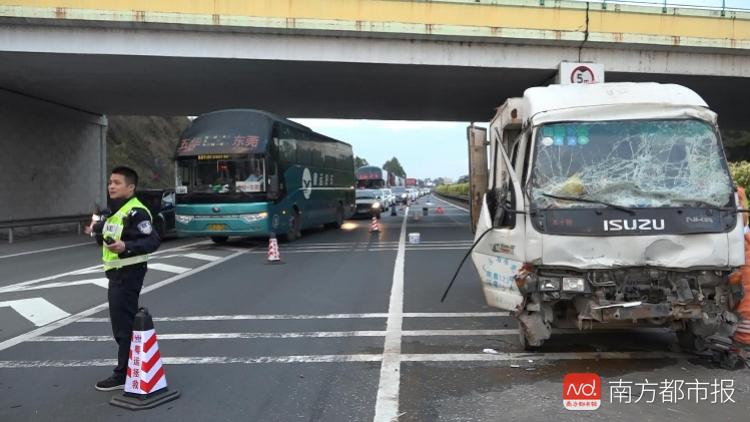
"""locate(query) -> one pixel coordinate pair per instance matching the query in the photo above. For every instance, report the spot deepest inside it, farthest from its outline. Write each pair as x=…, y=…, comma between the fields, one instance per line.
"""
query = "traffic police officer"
x=127, y=237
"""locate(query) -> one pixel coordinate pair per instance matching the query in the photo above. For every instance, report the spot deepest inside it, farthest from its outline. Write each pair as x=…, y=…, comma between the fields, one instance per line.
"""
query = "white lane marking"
x=453, y=314
x=453, y=205
x=168, y=268
x=73, y=318
x=277, y=335
x=56, y=248
x=435, y=333
x=537, y=357
x=223, y=336
x=202, y=257
x=37, y=310
x=326, y=316
x=409, y=248
x=101, y=282
x=386, y=404
x=96, y=269
x=87, y=270
x=467, y=357
x=207, y=360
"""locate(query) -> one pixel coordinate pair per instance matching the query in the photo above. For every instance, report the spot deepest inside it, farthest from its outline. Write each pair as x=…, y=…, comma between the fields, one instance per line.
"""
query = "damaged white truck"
x=609, y=205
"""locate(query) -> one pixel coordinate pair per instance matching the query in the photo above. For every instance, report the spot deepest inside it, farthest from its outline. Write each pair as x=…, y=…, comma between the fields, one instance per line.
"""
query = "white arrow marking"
x=202, y=257
x=37, y=310
x=168, y=268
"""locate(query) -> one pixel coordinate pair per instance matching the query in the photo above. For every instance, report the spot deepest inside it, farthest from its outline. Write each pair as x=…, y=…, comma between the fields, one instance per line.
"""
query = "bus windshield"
x=221, y=174
x=629, y=163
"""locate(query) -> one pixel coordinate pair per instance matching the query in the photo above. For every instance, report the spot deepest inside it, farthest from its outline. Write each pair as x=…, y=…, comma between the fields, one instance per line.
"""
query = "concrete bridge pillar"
x=52, y=159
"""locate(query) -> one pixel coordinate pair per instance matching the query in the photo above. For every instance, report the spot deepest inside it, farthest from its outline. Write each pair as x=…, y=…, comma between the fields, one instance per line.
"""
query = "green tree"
x=394, y=167
x=359, y=162
x=736, y=144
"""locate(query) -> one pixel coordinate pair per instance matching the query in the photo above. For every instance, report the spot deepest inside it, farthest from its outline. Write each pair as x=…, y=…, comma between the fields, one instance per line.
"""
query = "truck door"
x=500, y=252
x=477, y=138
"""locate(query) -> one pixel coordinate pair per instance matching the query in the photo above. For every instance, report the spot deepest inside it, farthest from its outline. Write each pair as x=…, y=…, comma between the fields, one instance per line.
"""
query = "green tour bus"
x=250, y=173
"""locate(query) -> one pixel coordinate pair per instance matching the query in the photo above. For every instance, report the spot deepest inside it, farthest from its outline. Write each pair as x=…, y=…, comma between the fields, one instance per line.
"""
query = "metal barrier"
x=10, y=225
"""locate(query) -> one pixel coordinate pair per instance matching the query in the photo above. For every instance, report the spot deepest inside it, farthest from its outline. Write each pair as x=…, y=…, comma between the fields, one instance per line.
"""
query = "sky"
x=424, y=149
x=430, y=149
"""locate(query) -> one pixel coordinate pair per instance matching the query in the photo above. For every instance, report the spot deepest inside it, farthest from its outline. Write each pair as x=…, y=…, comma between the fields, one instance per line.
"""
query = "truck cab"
x=609, y=205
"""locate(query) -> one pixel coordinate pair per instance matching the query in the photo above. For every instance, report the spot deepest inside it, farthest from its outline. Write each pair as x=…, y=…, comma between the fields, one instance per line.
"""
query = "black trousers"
x=124, y=288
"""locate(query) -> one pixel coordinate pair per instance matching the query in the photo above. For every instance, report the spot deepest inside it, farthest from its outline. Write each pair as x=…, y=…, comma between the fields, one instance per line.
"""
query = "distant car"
x=161, y=203
x=402, y=196
x=385, y=197
x=368, y=202
x=412, y=194
x=389, y=198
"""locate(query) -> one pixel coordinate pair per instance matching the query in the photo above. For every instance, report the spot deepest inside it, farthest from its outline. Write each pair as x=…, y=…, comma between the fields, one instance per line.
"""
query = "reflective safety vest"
x=113, y=228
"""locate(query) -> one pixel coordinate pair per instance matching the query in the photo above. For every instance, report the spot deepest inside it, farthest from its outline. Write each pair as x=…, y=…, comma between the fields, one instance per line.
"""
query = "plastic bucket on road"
x=414, y=238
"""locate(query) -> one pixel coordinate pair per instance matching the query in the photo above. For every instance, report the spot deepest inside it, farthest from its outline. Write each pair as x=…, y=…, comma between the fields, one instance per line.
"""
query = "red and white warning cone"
x=146, y=383
x=273, y=249
x=375, y=225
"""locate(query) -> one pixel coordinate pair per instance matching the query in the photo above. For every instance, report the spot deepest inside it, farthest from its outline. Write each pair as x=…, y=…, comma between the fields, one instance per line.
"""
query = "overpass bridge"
x=68, y=63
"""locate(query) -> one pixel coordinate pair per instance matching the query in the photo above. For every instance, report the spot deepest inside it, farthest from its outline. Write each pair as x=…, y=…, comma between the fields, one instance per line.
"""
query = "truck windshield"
x=633, y=163
x=221, y=175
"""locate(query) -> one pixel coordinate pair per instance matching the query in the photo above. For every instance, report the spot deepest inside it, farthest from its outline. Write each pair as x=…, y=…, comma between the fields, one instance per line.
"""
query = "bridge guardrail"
x=10, y=225
x=719, y=5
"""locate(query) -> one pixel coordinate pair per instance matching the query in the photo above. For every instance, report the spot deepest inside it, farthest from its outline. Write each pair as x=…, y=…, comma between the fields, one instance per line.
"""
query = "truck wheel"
x=689, y=341
x=524, y=342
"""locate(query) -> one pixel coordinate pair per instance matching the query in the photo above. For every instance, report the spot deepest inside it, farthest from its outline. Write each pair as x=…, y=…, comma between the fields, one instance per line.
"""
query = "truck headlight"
x=549, y=285
x=252, y=218
x=183, y=219
x=573, y=284
x=376, y=205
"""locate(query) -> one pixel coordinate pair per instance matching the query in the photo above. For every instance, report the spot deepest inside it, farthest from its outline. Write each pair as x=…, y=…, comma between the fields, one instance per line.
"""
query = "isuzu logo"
x=634, y=224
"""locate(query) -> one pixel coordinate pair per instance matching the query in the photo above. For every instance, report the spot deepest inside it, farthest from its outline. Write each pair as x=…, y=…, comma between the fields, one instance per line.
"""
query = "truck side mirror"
x=273, y=187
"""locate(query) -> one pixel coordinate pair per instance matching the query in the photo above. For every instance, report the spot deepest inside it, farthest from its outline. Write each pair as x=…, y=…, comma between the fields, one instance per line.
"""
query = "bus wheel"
x=220, y=239
x=339, y=219
x=294, y=231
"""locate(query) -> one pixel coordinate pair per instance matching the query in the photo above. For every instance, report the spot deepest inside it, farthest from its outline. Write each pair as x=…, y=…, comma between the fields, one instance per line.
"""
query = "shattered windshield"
x=633, y=163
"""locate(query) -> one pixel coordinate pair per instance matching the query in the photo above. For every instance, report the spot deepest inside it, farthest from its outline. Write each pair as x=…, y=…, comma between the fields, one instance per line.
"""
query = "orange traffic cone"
x=273, y=249
x=375, y=225
x=146, y=383
x=742, y=334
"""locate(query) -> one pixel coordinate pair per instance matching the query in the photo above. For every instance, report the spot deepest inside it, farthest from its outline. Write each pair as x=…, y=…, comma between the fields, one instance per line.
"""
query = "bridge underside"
x=148, y=85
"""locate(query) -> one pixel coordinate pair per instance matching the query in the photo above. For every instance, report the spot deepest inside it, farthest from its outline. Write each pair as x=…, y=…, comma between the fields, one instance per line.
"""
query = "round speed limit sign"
x=582, y=75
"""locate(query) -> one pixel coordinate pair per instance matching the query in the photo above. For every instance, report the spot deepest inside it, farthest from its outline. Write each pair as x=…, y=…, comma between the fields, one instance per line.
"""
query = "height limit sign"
x=580, y=73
